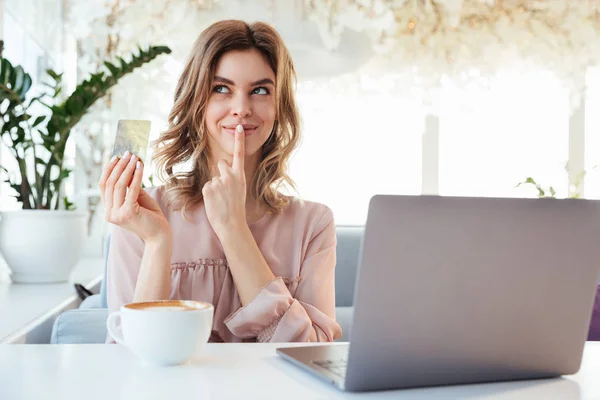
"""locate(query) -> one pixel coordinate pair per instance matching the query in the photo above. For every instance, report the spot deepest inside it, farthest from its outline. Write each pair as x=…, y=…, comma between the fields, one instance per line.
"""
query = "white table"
x=28, y=310
x=230, y=371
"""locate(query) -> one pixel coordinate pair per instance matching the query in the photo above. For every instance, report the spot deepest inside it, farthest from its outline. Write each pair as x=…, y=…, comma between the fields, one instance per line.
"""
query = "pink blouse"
x=297, y=243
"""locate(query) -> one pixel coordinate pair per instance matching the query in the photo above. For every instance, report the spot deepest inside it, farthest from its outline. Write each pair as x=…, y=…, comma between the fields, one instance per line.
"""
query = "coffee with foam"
x=168, y=308
x=168, y=305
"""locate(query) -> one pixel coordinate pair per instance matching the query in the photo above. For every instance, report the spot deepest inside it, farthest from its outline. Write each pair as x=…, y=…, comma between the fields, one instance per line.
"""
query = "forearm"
x=154, y=279
x=248, y=267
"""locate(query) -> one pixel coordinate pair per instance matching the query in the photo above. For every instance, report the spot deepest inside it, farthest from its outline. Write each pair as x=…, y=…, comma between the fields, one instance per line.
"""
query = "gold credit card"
x=132, y=136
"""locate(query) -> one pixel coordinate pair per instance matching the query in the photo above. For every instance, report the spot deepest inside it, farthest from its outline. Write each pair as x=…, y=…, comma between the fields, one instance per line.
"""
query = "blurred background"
x=448, y=97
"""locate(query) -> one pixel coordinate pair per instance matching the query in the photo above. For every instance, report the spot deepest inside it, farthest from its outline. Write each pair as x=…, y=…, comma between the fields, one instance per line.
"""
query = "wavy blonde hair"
x=186, y=139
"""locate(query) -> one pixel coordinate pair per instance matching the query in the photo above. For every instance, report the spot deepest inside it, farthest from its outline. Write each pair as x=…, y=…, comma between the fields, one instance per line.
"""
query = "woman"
x=219, y=230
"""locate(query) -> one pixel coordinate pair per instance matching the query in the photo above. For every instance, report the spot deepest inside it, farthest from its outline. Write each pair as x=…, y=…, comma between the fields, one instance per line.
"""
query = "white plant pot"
x=42, y=246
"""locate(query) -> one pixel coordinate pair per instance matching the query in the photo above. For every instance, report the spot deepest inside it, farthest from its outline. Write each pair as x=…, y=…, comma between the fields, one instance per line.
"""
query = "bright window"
x=492, y=139
x=356, y=145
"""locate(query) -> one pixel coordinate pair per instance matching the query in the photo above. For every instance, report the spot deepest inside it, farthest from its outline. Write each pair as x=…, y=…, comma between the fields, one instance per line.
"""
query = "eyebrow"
x=259, y=82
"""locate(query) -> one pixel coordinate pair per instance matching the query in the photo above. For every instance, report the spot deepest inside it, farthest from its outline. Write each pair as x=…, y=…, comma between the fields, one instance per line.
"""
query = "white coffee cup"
x=162, y=332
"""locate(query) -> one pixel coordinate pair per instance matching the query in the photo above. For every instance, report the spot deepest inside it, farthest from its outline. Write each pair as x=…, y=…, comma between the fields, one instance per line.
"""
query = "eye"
x=220, y=89
x=261, y=90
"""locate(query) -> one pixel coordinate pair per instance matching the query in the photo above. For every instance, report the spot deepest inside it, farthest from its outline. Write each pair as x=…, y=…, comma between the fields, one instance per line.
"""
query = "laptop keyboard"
x=337, y=367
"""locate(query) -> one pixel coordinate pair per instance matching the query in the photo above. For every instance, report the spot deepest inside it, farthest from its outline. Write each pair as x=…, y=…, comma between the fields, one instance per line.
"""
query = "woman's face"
x=242, y=94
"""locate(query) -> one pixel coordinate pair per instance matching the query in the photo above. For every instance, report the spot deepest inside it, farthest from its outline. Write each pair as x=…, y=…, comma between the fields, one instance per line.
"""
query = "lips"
x=248, y=129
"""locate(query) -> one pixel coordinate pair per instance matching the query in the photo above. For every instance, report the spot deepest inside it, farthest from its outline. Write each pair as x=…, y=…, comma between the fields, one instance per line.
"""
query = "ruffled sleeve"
x=274, y=315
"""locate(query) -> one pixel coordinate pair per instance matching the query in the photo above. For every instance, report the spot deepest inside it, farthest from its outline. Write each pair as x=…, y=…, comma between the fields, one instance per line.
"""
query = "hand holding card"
x=126, y=203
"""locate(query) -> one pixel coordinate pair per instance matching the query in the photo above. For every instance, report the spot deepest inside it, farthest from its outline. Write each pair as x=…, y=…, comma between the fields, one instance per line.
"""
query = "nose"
x=241, y=106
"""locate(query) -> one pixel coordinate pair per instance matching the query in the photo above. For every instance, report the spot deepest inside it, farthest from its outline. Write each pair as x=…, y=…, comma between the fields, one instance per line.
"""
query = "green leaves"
x=14, y=82
x=67, y=114
x=56, y=85
x=52, y=132
x=541, y=191
x=150, y=180
x=64, y=174
x=124, y=67
x=75, y=105
x=68, y=205
x=38, y=121
x=14, y=86
x=113, y=70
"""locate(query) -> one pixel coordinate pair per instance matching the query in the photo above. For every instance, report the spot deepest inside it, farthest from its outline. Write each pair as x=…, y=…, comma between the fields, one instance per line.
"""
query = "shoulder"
x=313, y=216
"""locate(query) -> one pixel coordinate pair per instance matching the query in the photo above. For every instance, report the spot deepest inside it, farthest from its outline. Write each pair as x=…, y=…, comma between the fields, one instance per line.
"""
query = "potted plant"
x=43, y=241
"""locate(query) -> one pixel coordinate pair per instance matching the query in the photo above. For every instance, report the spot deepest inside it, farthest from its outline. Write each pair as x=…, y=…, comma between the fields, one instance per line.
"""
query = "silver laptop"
x=463, y=290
